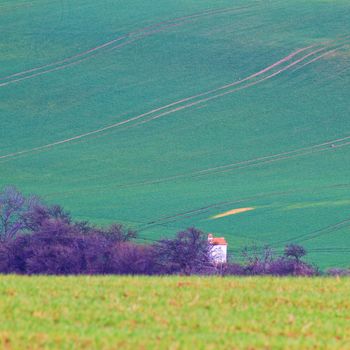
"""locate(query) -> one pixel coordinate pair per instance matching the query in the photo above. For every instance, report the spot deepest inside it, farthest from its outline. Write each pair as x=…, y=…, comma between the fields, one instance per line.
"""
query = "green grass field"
x=163, y=114
x=173, y=313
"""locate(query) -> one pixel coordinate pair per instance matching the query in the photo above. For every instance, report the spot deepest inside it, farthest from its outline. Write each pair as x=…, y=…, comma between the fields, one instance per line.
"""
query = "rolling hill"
x=163, y=115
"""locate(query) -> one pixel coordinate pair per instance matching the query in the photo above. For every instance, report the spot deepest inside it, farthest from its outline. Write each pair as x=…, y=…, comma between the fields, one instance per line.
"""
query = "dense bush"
x=188, y=253
x=283, y=266
x=60, y=248
x=234, y=269
x=290, y=264
x=133, y=259
x=338, y=272
x=265, y=262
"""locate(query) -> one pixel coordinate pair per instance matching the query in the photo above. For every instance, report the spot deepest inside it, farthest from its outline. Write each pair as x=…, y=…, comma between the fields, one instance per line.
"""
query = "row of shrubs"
x=40, y=239
x=59, y=248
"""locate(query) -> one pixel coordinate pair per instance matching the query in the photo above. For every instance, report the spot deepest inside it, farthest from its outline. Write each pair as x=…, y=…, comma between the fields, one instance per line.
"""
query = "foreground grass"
x=173, y=312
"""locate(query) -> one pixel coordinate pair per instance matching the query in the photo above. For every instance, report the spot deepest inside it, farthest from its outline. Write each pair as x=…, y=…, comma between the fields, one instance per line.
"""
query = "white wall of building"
x=219, y=253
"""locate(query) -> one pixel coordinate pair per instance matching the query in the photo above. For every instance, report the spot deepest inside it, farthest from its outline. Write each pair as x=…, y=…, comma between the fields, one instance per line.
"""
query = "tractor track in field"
x=322, y=147
x=316, y=233
x=65, y=59
x=311, y=151
x=329, y=229
x=194, y=212
x=198, y=211
x=69, y=64
x=315, y=59
x=132, y=37
x=229, y=91
x=188, y=105
x=170, y=219
x=286, y=59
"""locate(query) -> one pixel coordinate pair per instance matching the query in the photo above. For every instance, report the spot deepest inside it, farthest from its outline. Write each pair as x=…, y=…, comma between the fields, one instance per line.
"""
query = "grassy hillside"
x=173, y=313
x=163, y=114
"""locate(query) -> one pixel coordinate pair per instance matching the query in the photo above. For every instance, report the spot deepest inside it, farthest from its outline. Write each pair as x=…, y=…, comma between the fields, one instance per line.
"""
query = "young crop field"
x=228, y=115
x=174, y=313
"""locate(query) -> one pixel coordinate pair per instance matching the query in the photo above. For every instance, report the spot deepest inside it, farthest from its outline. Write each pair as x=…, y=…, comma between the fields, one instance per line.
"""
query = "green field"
x=173, y=313
x=163, y=114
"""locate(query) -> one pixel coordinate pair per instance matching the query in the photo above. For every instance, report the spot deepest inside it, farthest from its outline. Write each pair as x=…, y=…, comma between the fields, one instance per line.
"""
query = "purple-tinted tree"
x=15, y=254
x=13, y=208
x=287, y=266
x=294, y=251
x=132, y=259
x=188, y=253
x=54, y=249
x=115, y=233
x=5, y=264
x=265, y=262
x=98, y=254
x=39, y=214
x=59, y=248
x=257, y=261
x=118, y=233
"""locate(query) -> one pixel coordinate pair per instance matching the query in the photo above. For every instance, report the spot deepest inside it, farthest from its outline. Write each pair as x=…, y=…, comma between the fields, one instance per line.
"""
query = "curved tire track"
x=171, y=111
x=139, y=33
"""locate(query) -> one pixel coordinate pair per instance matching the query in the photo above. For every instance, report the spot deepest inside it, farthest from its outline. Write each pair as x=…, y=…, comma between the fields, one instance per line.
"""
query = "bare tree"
x=13, y=208
x=118, y=233
x=188, y=253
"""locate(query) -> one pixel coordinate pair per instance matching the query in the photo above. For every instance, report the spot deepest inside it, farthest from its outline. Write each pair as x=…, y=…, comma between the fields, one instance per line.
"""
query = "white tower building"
x=218, y=249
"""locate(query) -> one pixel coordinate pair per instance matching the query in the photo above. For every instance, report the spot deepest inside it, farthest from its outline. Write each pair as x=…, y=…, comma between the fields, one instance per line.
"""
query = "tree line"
x=36, y=238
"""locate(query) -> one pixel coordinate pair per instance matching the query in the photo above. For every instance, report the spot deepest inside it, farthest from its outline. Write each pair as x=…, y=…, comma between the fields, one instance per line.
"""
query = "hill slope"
x=163, y=115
